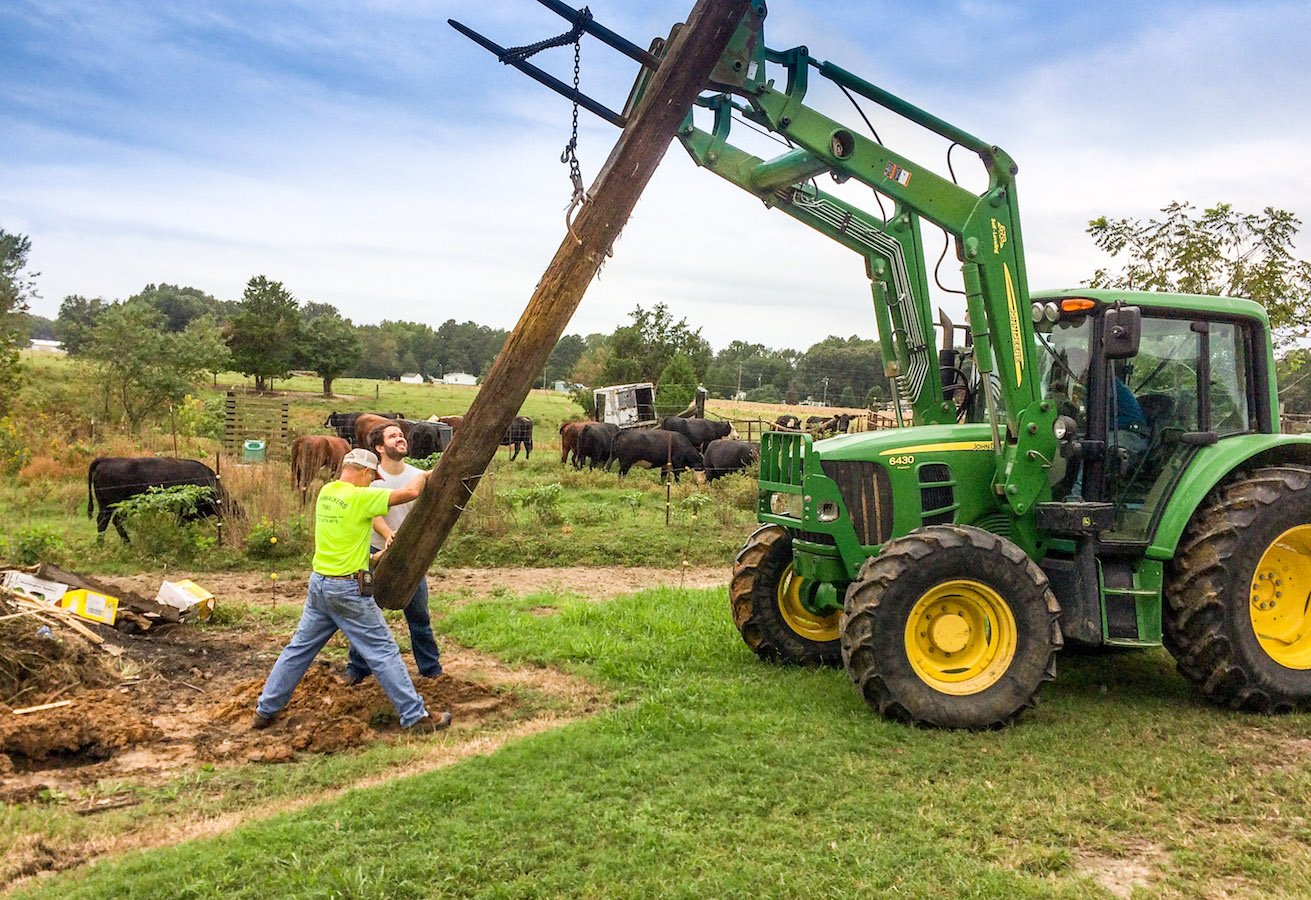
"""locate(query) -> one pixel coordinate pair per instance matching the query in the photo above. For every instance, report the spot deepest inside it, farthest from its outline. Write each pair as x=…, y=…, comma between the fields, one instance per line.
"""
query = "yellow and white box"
x=189, y=598
x=91, y=605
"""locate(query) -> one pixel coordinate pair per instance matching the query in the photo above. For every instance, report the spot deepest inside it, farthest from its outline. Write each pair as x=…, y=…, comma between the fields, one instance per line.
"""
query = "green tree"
x=141, y=367
x=76, y=320
x=1217, y=251
x=16, y=287
x=564, y=357
x=179, y=306
x=677, y=386
x=331, y=348
x=642, y=350
x=266, y=336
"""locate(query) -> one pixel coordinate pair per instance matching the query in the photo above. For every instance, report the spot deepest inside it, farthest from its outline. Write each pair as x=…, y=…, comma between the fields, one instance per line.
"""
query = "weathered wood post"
x=669, y=95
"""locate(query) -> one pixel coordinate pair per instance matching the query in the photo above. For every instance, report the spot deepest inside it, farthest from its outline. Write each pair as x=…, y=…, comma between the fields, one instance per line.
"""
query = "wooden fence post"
x=672, y=89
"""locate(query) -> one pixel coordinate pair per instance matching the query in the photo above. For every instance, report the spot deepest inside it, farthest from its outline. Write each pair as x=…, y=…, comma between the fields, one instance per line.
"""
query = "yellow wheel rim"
x=1279, y=599
x=961, y=637
x=791, y=588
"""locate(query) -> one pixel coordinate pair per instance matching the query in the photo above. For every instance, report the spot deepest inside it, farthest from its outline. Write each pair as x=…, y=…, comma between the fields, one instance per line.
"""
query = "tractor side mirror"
x=1122, y=331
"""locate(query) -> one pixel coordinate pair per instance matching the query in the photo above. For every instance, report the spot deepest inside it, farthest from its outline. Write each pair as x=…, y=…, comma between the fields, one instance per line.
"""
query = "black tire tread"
x=753, y=598
x=1197, y=627
x=898, y=557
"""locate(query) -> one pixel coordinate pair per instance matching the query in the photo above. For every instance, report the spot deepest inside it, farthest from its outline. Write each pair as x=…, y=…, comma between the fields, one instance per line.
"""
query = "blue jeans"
x=332, y=604
x=424, y=645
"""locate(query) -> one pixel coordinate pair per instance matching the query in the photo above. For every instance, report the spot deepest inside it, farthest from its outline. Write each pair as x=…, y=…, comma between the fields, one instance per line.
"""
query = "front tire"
x=1236, y=616
x=950, y=626
x=766, y=596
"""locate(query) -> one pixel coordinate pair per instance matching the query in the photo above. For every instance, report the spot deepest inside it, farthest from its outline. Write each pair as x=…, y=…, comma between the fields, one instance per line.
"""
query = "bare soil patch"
x=179, y=698
x=589, y=582
x=1120, y=875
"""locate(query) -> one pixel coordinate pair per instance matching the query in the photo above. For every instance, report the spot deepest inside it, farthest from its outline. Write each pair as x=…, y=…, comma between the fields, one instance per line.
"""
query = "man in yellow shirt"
x=343, y=522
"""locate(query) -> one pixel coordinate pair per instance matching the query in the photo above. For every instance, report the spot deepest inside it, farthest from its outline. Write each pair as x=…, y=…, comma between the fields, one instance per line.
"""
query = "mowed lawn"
x=716, y=775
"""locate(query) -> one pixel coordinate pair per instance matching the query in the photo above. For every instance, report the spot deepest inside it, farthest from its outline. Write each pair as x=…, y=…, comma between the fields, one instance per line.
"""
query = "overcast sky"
x=368, y=156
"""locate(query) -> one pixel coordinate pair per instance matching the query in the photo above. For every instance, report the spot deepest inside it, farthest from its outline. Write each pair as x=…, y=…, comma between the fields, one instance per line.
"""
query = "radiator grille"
x=937, y=496
x=867, y=493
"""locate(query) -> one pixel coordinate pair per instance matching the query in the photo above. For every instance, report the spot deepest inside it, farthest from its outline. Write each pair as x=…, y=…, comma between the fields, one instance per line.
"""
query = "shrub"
x=197, y=418
x=14, y=451
x=427, y=462
x=276, y=540
x=36, y=544
x=155, y=520
x=543, y=500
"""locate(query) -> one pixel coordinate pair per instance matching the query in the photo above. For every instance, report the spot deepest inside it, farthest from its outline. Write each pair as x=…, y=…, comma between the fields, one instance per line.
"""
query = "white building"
x=411, y=378
x=459, y=378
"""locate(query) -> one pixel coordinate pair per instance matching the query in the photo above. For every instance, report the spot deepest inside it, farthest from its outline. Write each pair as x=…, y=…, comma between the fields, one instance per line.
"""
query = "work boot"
x=351, y=677
x=259, y=723
x=428, y=724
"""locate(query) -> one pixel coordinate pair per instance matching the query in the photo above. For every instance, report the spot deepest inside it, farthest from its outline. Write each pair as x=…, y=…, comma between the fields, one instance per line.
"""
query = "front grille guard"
x=782, y=459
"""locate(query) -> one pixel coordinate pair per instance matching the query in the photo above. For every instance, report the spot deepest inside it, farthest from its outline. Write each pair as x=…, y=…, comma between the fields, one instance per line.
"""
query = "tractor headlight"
x=828, y=511
x=786, y=505
x=1051, y=312
x=1063, y=427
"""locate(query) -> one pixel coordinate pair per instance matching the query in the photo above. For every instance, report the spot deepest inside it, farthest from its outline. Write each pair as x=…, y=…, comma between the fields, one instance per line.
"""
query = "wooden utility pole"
x=669, y=95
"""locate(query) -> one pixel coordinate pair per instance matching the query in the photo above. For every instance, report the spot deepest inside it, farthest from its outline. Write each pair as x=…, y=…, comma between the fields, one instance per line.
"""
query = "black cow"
x=519, y=434
x=788, y=422
x=699, y=431
x=594, y=443
x=344, y=422
x=835, y=424
x=112, y=479
x=657, y=448
x=726, y=457
x=427, y=438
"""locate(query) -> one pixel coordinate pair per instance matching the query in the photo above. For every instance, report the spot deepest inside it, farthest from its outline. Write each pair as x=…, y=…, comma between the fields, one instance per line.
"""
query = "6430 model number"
x=906, y=460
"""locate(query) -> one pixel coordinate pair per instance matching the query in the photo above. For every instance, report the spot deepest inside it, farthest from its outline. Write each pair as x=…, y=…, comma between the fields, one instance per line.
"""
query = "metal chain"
x=570, y=155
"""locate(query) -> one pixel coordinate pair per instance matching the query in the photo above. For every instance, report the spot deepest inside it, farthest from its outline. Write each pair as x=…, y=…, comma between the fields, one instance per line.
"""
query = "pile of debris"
x=54, y=626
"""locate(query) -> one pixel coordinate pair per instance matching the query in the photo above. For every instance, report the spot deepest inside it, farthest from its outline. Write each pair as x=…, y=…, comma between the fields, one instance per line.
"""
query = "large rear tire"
x=767, y=604
x=950, y=626
x=1236, y=612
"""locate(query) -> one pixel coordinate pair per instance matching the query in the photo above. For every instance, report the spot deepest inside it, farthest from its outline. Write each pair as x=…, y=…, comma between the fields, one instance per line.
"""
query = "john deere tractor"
x=1094, y=467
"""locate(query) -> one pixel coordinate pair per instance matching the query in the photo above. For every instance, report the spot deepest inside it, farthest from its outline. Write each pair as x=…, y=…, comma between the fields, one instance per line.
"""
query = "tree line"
x=149, y=348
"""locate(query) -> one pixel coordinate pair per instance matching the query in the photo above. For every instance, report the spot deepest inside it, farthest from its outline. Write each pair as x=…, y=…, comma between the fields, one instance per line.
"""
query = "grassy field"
x=519, y=517
x=715, y=775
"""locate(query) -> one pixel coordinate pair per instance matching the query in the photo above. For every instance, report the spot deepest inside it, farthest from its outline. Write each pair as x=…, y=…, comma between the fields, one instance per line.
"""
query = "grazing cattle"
x=833, y=424
x=788, y=422
x=454, y=421
x=427, y=438
x=569, y=432
x=344, y=422
x=726, y=457
x=699, y=431
x=112, y=479
x=313, y=453
x=520, y=434
x=594, y=443
x=366, y=422
x=657, y=448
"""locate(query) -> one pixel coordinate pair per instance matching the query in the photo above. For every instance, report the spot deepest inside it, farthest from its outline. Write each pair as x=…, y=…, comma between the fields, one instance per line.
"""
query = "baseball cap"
x=364, y=459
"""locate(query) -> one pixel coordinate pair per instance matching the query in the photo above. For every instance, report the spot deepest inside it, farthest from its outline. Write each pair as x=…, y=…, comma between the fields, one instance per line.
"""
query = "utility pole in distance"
x=675, y=84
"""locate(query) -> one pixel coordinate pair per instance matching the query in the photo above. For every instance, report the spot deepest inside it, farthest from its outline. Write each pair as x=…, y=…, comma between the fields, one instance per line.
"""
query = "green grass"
x=720, y=776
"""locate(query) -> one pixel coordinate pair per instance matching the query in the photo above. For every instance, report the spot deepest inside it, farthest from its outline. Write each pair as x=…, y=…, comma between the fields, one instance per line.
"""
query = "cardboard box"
x=91, y=605
x=37, y=588
x=189, y=598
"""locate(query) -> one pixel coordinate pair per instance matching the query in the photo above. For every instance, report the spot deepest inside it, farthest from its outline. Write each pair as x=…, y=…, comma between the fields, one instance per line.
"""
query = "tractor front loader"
x=1094, y=467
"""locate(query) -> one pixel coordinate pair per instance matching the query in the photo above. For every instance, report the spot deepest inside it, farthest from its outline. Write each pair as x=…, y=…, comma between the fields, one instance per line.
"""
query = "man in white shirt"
x=388, y=441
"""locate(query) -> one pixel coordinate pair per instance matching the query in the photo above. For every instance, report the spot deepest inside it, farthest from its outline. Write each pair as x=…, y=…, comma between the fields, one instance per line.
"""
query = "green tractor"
x=1093, y=467
x=1086, y=467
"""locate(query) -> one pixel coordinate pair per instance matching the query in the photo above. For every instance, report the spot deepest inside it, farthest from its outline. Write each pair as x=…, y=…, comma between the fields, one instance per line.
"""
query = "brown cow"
x=368, y=421
x=313, y=453
x=569, y=432
x=454, y=421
